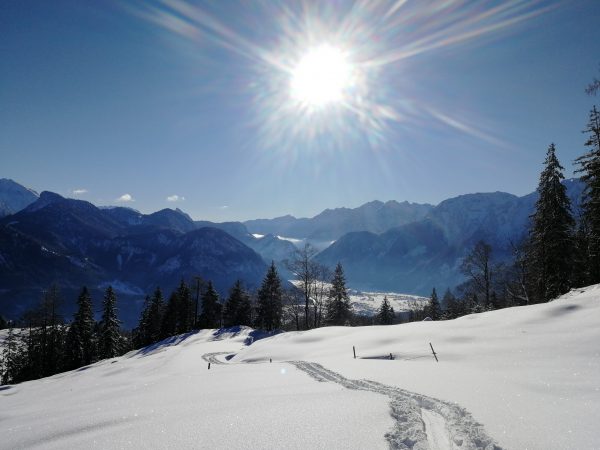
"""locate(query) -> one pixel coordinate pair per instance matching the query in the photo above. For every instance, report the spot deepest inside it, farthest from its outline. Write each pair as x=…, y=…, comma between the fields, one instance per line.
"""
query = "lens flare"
x=333, y=71
x=322, y=76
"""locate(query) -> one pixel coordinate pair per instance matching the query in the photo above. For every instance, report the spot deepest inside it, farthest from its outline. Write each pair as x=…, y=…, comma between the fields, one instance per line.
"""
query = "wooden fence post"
x=354, y=351
x=434, y=353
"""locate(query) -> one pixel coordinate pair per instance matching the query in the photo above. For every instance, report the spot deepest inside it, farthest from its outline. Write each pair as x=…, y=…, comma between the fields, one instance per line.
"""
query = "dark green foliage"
x=185, y=309
x=386, y=314
x=581, y=257
x=589, y=167
x=110, y=343
x=149, y=329
x=169, y=318
x=51, y=332
x=433, y=310
x=269, y=302
x=211, y=308
x=338, y=305
x=154, y=317
x=551, y=240
x=238, y=309
x=80, y=343
x=452, y=305
x=3, y=323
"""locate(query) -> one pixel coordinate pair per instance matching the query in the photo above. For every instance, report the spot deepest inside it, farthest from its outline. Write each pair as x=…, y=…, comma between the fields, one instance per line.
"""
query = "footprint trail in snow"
x=421, y=422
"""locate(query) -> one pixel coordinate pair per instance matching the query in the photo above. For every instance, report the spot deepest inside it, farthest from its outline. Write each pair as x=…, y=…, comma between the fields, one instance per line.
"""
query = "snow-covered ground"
x=519, y=378
x=368, y=303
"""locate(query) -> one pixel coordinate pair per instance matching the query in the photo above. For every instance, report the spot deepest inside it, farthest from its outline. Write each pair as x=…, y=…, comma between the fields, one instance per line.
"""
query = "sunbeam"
x=331, y=72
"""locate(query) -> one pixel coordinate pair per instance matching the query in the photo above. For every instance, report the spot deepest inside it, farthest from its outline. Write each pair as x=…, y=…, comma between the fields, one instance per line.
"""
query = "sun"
x=323, y=76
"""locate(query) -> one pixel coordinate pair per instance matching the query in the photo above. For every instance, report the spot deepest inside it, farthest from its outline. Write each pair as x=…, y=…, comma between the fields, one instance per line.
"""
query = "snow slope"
x=531, y=375
x=519, y=378
x=165, y=397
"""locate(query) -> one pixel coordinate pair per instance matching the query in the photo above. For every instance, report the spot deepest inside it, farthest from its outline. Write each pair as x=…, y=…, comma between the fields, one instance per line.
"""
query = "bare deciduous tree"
x=477, y=266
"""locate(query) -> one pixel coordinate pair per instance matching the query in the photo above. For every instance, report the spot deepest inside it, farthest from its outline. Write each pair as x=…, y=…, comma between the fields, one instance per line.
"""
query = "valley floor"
x=520, y=378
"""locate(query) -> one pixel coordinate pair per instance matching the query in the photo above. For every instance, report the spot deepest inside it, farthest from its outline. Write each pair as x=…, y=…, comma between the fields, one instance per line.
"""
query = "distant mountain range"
x=331, y=224
x=74, y=243
x=402, y=247
x=415, y=257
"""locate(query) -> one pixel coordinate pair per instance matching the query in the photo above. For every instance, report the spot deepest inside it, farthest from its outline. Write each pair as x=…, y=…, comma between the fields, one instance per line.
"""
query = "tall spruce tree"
x=386, y=314
x=551, y=233
x=140, y=334
x=451, y=305
x=237, y=310
x=338, y=305
x=154, y=317
x=433, y=309
x=211, y=308
x=185, y=308
x=80, y=344
x=169, y=319
x=269, y=307
x=109, y=340
x=589, y=167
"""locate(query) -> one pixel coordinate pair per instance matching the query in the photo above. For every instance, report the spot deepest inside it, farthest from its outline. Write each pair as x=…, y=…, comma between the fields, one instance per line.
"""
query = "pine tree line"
x=43, y=344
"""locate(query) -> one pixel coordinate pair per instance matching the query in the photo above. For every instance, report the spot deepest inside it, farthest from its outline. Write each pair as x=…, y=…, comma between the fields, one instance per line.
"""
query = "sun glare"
x=322, y=76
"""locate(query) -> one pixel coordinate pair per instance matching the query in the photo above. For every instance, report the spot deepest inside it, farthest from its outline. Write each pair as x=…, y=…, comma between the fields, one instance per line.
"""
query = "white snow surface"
x=166, y=398
x=530, y=375
x=518, y=378
x=368, y=303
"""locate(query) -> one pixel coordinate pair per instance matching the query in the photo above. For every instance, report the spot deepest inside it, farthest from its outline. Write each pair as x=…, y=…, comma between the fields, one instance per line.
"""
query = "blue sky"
x=188, y=99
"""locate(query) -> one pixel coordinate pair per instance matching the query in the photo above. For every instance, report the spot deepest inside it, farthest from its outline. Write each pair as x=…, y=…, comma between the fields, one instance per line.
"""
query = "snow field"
x=530, y=375
x=519, y=378
x=167, y=398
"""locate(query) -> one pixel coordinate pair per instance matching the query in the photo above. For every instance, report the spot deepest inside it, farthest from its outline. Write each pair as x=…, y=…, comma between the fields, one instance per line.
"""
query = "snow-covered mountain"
x=375, y=217
x=517, y=378
x=74, y=243
x=418, y=256
x=14, y=197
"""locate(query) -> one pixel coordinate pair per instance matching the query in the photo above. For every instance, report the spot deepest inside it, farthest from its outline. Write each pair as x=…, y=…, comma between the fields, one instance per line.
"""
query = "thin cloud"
x=175, y=198
x=80, y=191
x=223, y=207
x=125, y=198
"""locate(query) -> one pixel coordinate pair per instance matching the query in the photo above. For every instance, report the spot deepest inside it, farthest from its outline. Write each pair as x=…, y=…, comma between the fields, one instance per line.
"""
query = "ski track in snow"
x=435, y=427
x=421, y=422
x=212, y=358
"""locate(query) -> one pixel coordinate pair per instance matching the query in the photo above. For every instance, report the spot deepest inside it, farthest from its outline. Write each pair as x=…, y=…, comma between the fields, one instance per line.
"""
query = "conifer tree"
x=451, y=306
x=154, y=317
x=338, y=305
x=269, y=307
x=551, y=233
x=433, y=309
x=237, y=310
x=169, y=320
x=185, y=308
x=109, y=341
x=589, y=167
x=386, y=314
x=140, y=334
x=49, y=337
x=80, y=345
x=211, y=308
